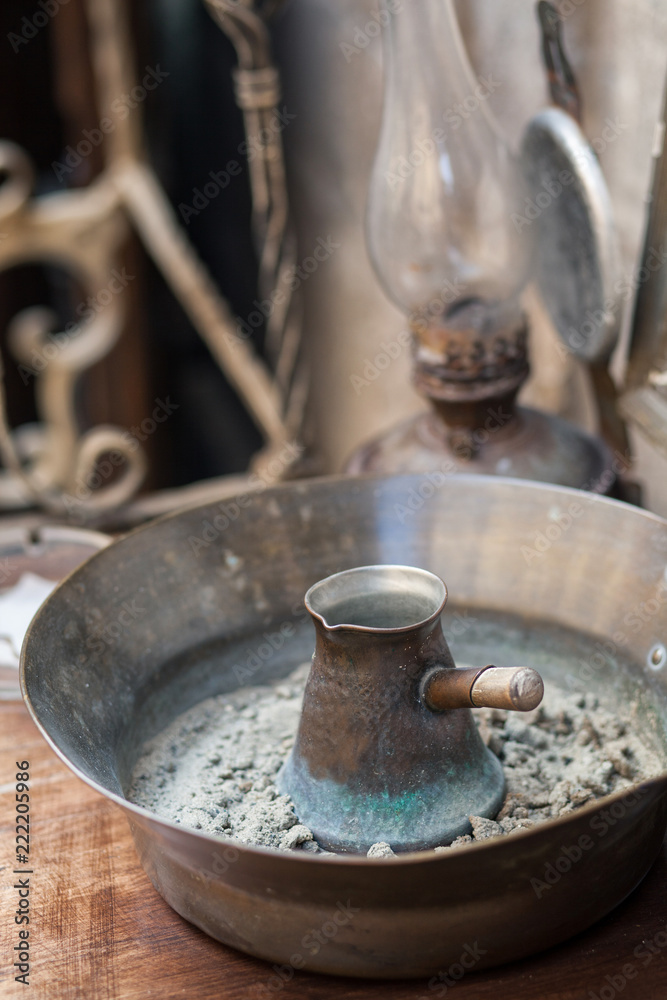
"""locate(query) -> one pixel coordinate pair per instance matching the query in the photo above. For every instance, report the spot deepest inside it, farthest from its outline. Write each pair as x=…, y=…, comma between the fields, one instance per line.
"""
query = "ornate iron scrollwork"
x=82, y=230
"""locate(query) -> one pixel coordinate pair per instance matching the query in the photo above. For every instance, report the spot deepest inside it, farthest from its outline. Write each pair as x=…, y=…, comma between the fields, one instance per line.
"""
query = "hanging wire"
x=257, y=92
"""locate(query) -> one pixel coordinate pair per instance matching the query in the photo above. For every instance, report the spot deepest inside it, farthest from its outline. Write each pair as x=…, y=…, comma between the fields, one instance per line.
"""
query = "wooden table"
x=99, y=930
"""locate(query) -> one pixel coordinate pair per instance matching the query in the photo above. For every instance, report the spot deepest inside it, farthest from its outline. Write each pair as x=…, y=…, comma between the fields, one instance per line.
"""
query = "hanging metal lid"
x=568, y=202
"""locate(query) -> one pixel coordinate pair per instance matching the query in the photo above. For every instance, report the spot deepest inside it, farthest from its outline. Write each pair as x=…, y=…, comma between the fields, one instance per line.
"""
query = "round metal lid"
x=576, y=260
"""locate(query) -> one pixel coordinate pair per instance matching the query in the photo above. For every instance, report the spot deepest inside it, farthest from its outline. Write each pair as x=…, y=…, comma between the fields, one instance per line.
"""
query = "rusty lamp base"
x=471, y=367
x=520, y=443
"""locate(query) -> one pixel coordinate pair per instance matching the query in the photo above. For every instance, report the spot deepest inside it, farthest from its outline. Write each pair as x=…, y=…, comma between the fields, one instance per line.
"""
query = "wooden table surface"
x=99, y=930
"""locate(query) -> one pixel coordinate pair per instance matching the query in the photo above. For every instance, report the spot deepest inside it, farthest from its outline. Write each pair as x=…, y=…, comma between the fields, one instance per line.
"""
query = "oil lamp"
x=444, y=196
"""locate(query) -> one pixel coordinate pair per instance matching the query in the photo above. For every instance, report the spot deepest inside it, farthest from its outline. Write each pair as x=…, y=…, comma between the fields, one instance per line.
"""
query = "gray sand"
x=213, y=769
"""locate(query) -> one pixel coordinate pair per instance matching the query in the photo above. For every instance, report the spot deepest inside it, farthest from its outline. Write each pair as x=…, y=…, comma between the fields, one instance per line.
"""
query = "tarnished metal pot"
x=372, y=762
x=535, y=560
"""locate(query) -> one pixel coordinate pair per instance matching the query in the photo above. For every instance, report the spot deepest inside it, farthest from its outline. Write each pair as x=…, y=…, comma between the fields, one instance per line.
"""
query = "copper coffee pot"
x=387, y=748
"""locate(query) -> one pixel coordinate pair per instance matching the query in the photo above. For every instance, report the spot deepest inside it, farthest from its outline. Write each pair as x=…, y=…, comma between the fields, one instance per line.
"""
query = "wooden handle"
x=518, y=689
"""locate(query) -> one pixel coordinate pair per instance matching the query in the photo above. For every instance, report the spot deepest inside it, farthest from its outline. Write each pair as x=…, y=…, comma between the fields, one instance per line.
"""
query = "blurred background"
x=330, y=63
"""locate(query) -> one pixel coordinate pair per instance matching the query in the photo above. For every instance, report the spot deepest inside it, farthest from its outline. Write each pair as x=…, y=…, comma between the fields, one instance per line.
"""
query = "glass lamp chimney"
x=444, y=184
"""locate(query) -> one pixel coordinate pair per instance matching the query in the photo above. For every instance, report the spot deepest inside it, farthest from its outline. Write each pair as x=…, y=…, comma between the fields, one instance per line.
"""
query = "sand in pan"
x=213, y=769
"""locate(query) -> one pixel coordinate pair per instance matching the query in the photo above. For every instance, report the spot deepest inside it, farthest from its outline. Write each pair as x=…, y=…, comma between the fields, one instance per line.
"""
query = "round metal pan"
x=571, y=583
